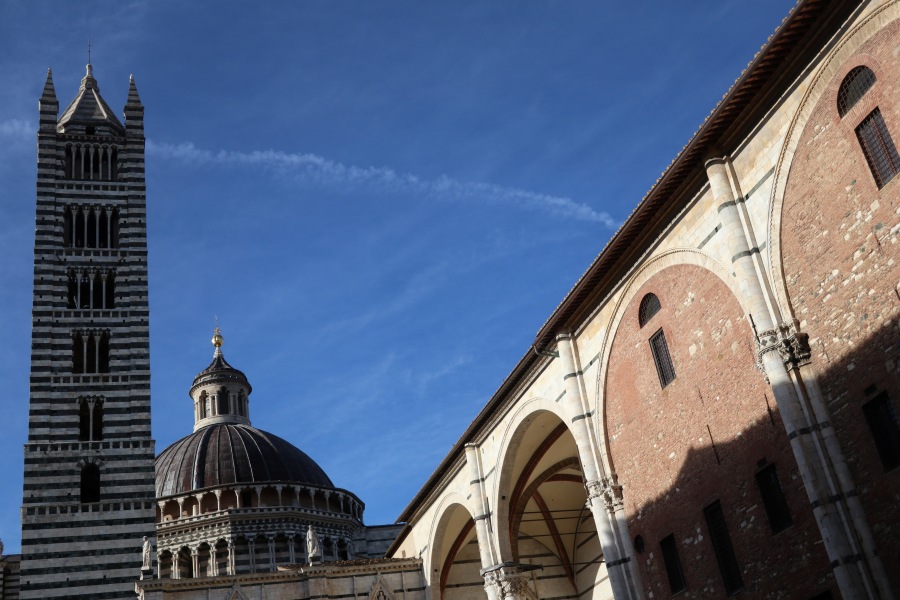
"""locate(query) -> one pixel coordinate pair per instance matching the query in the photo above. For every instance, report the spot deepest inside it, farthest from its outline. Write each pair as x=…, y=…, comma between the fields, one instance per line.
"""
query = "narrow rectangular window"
x=664, y=367
x=721, y=541
x=877, y=145
x=673, y=563
x=884, y=429
x=773, y=499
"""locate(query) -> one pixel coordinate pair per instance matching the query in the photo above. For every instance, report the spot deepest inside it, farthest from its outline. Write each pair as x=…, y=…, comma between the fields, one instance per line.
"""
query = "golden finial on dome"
x=217, y=339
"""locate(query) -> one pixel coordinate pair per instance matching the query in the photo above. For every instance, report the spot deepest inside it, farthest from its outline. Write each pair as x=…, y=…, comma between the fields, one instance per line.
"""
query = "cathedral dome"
x=225, y=449
x=233, y=453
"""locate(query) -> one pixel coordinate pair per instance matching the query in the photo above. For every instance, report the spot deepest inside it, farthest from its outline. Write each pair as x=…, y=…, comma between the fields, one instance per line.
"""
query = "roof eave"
x=772, y=58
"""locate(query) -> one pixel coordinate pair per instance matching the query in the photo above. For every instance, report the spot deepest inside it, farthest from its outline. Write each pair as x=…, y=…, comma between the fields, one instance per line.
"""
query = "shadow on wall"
x=736, y=518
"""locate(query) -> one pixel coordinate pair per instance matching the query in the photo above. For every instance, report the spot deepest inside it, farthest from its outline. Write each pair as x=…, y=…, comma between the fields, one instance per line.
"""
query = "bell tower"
x=88, y=496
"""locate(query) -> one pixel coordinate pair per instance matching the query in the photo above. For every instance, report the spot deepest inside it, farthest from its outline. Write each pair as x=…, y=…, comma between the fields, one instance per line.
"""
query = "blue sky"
x=381, y=201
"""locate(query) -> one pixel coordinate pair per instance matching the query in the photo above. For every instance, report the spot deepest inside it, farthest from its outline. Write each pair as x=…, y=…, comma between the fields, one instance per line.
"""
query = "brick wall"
x=841, y=243
x=671, y=467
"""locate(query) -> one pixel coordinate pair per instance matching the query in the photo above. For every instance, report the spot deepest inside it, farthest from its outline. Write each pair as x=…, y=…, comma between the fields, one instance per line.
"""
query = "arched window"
x=649, y=307
x=78, y=343
x=68, y=227
x=72, y=293
x=90, y=351
x=110, y=290
x=90, y=483
x=90, y=419
x=97, y=421
x=222, y=402
x=84, y=420
x=855, y=85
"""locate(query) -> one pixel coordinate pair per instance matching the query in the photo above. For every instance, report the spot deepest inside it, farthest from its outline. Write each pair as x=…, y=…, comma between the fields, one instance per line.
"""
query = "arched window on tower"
x=90, y=419
x=78, y=350
x=90, y=483
x=872, y=132
x=79, y=224
x=90, y=351
x=659, y=348
x=222, y=401
x=97, y=290
x=84, y=420
x=104, y=229
x=68, y=162
x=68, y=227
x=110, y=290
x=72, y=290
x=84, y=290
x=241, y=404
x=114, y=228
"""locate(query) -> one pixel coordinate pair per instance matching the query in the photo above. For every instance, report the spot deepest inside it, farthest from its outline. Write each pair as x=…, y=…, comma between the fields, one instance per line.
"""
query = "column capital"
x=791, y=344
x=510, y=580
x=607, y=489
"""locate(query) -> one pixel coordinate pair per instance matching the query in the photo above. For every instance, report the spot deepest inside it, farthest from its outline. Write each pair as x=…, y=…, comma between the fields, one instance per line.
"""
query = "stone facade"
x=88, y=486
x=383, y=579
x=720, y=389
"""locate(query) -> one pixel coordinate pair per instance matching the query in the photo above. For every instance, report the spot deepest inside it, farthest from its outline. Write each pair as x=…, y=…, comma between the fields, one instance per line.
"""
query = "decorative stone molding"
x=609, y=490
x=790, y=343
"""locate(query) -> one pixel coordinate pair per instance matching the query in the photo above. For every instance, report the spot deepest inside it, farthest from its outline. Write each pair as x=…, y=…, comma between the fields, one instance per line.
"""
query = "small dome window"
x=649, y=307
x=855, y=85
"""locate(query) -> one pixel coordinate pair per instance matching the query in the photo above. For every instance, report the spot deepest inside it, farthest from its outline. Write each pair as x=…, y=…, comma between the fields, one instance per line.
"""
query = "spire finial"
x=217, y=339
x=89, y=48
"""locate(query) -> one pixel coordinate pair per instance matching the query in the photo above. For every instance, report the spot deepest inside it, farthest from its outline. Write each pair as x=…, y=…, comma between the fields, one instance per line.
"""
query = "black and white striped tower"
x=88, y=496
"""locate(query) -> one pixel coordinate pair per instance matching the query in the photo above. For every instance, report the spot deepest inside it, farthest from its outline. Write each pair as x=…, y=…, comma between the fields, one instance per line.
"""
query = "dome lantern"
x=221, y=393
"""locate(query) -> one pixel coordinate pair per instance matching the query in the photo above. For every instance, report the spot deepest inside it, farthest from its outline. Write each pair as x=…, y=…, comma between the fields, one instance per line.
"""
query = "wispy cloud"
x=17, y=129
x=317, y=170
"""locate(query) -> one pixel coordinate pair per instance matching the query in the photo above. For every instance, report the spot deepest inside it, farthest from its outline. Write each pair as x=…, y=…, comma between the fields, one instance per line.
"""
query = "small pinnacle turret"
x=133, y=98
x=49, y=93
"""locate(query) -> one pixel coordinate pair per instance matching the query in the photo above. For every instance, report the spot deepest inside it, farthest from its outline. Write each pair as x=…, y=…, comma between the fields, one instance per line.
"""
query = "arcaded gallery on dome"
x=233, y=499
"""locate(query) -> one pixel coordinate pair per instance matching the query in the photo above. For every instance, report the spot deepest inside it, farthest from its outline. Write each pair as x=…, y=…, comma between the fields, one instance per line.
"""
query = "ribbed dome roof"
x=219, y=371
x=227, y=453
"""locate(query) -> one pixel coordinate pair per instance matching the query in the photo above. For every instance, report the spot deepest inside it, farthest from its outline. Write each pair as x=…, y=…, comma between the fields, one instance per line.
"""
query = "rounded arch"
x=453, y=522
x=539, y=502
x=653, y=266
x=510, y=440
x=835, y=66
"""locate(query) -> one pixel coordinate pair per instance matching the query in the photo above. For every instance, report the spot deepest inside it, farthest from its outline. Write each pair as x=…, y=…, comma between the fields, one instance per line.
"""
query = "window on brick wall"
x=878, y=147
x=649, y=306
x=885, y=431
x=855, y=85
x=773, y=499
x=721, y=541
x=661, y=357
x=673, y=563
